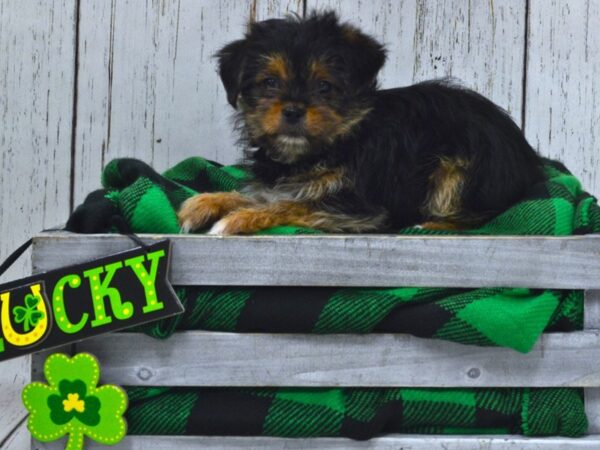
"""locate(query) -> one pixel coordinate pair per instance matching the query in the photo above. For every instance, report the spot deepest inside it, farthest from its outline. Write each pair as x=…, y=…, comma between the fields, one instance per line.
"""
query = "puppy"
x=328, y=150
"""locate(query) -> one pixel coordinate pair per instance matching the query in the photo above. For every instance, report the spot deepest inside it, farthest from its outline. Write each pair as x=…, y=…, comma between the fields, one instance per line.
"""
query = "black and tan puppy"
x=330, y=151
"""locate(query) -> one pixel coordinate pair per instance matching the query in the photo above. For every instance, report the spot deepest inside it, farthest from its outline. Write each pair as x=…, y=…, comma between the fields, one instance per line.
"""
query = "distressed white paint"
x=393, y=442
x=479, y=43
x=19, y=439
x=148, y=86
x=563, y=85
x=351, y=260
x=591, y=318
x=592, y=409
x=197, y=358
x=14, y=374
x=36, y=89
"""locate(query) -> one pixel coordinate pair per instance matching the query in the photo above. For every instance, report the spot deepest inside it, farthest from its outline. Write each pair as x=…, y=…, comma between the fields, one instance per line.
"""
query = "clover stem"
x=75, y=441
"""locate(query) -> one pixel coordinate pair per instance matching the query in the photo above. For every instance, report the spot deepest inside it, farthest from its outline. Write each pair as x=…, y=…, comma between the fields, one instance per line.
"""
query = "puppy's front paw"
x=245, y=221
x=201, y=210
x=219, y=229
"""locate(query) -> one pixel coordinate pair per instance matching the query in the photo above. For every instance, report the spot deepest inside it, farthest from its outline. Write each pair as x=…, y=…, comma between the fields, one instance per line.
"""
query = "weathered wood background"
x=85, y=81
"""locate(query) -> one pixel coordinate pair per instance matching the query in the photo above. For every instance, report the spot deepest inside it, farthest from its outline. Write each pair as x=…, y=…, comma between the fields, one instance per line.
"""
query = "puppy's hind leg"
x=444, y=206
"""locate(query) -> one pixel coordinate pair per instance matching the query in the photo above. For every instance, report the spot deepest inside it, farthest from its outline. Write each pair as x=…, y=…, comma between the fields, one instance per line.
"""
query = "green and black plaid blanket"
x=513, y=318
x=356, y=413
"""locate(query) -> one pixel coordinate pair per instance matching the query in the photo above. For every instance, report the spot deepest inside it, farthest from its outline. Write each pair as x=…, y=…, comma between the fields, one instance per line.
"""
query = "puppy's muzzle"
x=293, y=114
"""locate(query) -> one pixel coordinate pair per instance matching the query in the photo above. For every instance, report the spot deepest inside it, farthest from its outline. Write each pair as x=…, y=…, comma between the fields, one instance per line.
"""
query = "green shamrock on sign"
x=28, y=315
x=72, y=403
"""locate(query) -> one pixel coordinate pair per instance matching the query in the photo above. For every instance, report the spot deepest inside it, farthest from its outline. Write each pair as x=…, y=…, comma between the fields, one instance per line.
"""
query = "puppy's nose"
x=293, y=113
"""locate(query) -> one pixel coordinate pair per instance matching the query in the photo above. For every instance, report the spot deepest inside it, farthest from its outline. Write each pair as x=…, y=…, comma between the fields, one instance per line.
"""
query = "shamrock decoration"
x=72, y=403
x=28, y=315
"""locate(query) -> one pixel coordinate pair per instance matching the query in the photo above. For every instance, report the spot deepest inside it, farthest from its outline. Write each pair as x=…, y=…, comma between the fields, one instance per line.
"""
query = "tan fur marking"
x=352, y=119
x=350, y=33
x=319, y=71
x=325, y=184
x=251, y=220
x=278, y=65
x=445, y=188
x=314, y=121
x=272, y=118
x=441, y=226
x=203, y=209
x=253, y=117
x=322, y=121
x=321, y=183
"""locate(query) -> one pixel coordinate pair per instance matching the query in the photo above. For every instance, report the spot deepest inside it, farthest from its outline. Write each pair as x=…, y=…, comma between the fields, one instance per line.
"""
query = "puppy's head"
x=300, y=84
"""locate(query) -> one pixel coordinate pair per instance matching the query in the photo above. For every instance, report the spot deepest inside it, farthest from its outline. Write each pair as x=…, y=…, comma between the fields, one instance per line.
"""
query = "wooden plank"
x=563, y=87
x=37, y=43
x=478, y=43
x=36, y=101
x=592, y=409
x=353, y=260
x=19, y=439
x=14, y=374
x=591, y=310
x=199, y=358
x=394, y=442
x=148, y=83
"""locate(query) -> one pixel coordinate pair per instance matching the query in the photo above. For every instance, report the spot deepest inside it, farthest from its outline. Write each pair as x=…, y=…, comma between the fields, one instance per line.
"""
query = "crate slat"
x=393, y=442
x=197, y=358
x=592, y=409
x=591, y=310
x=359, y=260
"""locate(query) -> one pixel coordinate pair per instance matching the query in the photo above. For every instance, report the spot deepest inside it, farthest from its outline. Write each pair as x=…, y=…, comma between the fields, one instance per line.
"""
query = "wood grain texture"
x=563, y=86
x=591, y=311
x=393, y=442
x=592, y=409
x=479, y=43
x=148, y=86
x=19, y=439
x=353, y=260
x=36, y=101
x=14, y=374
x=197, y=358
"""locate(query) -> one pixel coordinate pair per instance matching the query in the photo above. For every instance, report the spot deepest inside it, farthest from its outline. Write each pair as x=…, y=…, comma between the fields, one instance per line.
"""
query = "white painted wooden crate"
x=260, y=359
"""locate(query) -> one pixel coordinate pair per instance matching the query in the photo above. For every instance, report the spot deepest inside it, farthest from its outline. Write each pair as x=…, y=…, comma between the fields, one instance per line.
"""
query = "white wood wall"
x=85, y=81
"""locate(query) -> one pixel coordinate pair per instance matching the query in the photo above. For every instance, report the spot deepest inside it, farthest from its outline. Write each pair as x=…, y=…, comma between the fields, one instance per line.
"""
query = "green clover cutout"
x=28, y=315
x=71, y=403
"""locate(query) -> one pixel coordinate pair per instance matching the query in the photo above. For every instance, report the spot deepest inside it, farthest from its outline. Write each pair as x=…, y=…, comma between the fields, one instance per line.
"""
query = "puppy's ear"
x=231, y=64
x=366, y=55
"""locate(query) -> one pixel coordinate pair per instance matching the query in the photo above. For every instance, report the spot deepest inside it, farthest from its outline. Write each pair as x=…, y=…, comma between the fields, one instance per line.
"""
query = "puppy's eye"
x=325, y=87
x=271, y=83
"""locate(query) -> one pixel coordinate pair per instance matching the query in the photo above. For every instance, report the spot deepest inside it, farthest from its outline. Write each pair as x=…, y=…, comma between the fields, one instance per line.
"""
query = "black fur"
x=391, y=152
